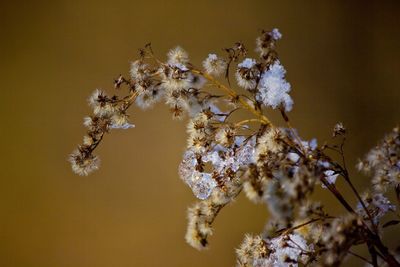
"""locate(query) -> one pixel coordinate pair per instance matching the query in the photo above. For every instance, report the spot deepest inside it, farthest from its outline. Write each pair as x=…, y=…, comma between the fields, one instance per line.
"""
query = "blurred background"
x=343, y=62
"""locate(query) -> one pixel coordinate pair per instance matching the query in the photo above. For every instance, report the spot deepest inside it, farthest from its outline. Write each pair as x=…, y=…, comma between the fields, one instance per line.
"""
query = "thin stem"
x=129, y=100
x=232, y=93
x=291, y=229
x=289, y=125
x=359, y=256
x=373, y=253
x=247, y=121
x=373, y=237
x=347, y=179
x=337, y=194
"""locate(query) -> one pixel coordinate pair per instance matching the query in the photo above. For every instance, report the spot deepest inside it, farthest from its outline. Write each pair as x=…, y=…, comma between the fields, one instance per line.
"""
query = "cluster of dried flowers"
x=271, y=164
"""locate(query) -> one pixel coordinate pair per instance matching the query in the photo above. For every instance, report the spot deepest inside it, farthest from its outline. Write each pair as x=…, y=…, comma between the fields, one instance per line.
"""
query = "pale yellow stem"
x=247, y=121
x=232, y=93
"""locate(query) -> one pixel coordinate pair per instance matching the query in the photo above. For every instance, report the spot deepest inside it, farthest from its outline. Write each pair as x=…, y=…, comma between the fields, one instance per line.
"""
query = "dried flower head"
x=214, y=65
x=178, y=56
x=83, y=162
x=247, y=74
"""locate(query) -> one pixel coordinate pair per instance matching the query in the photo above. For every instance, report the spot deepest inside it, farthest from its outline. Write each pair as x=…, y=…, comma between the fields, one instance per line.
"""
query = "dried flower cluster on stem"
x=271, y=164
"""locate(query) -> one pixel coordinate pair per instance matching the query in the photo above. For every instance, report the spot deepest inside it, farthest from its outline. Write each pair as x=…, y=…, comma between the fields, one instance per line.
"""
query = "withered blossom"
x=214, y=65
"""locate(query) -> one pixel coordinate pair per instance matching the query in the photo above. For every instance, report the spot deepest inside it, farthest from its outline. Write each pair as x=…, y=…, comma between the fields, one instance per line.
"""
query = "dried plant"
x=270, y=163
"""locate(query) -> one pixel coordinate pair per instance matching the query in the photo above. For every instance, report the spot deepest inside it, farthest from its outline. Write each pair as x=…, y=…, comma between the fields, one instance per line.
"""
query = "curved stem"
x=247, y=121
x=232, y=93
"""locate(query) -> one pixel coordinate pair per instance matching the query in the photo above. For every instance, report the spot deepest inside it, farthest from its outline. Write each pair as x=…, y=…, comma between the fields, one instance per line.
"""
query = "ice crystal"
x=201, y=184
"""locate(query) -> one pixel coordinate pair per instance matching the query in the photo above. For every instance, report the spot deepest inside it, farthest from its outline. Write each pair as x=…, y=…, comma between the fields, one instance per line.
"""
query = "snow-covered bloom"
x=287, y=248
x=274, y=89
x=247, y=63
x=214, y=65
x=247, y=74
x=245, y=152
x=201, y=183
x=120, y=121
x=282, y=251
x=231, y=160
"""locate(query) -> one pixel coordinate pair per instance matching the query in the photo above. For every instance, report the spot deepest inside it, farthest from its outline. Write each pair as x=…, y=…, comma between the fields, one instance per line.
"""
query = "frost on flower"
x=201, y=183
x=233, y=159
x=248, y=63
x=287, y=249
x=274, y=89
x=245, y=155
x=225, y=162
x=247, y=74
x=120, y=121
x=282, y=251
x=123, y=126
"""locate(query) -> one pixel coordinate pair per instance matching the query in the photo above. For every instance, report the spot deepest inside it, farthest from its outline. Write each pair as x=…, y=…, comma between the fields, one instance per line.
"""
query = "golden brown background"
x=342, y=57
